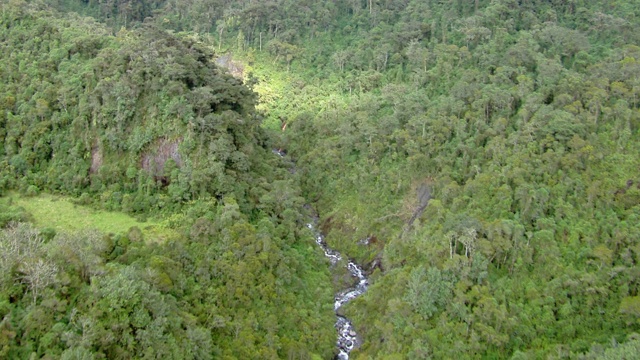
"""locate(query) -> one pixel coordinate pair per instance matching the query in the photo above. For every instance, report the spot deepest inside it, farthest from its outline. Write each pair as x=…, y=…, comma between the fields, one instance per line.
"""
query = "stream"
x=347, y=336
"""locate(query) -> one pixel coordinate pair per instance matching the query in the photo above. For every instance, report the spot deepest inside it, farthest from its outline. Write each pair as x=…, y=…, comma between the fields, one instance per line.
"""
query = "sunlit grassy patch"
x=59, y=213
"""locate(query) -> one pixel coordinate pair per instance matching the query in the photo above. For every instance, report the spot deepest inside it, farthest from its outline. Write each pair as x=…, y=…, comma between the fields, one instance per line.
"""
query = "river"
x=347, y=336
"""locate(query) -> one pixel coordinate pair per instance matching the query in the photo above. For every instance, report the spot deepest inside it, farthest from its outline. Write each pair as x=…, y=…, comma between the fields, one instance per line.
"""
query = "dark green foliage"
x=144, y=122
x=223, y=293
x=101, y=115
x=521, y=117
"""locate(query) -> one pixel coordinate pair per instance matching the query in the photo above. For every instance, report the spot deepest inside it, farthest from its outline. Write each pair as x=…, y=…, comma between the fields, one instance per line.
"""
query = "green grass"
x=59, y=213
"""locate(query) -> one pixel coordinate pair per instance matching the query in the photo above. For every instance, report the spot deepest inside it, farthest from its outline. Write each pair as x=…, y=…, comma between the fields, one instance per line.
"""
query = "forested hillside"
x=143, y=122
x=480, y=157
x=522, y=122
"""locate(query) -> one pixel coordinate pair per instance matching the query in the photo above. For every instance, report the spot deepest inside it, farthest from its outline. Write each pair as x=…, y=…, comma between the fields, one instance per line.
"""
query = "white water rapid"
x=347, y=336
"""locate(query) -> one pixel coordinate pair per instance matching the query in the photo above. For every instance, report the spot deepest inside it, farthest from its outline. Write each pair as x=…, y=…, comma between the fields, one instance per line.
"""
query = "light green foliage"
x=628, y=350
x=61, y=214
x=142, y=122
x=427, y=291
x=521, y=117
x=223, y=292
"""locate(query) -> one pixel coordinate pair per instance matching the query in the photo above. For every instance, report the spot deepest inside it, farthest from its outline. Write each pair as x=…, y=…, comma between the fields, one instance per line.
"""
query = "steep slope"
x=143, y=112
x=486, y=151
x=144, y=122
x=519, y=120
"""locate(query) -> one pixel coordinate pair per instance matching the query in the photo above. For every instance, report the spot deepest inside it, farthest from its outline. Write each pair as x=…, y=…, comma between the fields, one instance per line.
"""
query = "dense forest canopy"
x=486, y=150
x=142, y=121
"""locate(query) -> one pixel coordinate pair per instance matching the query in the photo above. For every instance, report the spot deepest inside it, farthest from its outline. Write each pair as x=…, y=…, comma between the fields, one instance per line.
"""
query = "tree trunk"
x=451, y=248
x=220, y=38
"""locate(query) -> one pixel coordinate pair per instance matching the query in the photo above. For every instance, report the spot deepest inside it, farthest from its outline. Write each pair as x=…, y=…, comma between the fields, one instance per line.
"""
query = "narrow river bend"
x=347, y=335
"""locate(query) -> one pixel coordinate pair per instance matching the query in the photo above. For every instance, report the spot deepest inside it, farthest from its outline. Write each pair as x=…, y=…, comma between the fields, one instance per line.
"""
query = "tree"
x=86, y=250
x=20, y=244
x=427, y=291
x=596, y=97
x=341, y=58
x=38, y=275
x=630, y=306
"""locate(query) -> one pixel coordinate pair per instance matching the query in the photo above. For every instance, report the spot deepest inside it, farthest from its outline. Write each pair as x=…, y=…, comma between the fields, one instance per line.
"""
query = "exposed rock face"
x=235, y=68
x=423, y=195
x=96, y=159
x=154, y=160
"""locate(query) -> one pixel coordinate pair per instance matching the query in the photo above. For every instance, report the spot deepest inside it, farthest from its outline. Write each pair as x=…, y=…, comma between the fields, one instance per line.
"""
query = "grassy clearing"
x=59, y=213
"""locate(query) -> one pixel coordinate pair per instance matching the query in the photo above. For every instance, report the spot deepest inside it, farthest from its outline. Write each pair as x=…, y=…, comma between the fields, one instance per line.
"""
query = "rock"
x=236, y=69
x=352, y=333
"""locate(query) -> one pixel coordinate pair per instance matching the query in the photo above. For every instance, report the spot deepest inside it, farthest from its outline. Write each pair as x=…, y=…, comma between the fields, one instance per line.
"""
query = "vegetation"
x=64, y=214
x=144, y=123
x=487, y=150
